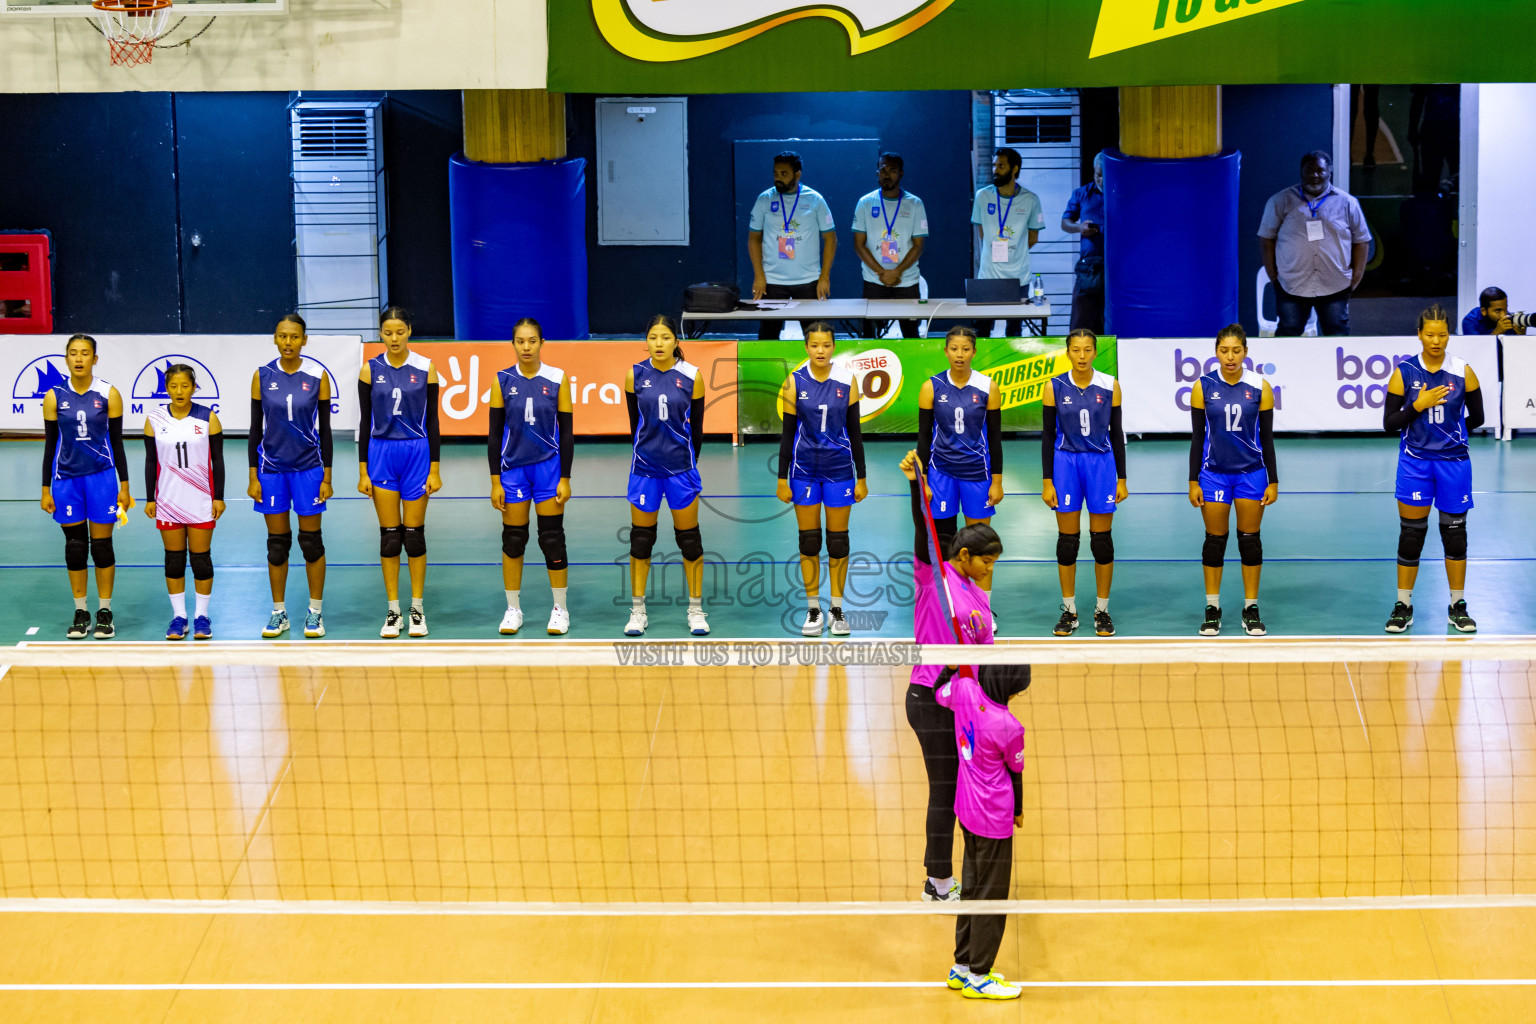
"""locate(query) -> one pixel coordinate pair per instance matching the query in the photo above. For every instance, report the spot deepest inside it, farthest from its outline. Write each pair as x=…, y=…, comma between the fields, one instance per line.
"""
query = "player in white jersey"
x=184, y=494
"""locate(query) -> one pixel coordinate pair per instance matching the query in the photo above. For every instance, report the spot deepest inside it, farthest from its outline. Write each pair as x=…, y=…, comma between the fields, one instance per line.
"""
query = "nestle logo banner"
x=1319, y=383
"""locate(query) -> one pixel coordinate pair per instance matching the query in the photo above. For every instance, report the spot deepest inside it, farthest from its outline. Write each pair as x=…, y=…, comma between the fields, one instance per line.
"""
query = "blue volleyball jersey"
x=960, y=426
x=663, y=446
x=532, y=433
x=822, y=450
x=1082, y=414
x=85, y=447
x=1232, y=423
x=399, y=397
x=290, y=417
x=1439, y=432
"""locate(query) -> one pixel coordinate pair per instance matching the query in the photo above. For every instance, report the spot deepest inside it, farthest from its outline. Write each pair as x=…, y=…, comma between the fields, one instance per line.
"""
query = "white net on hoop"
x=132, y=28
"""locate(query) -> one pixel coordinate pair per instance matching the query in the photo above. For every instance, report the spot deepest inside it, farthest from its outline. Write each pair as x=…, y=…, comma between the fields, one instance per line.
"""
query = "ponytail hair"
x=1083, y=332
x=529, y=321
x=1232, y=331
x=294, y=318
x=819, y=327
x=961, y=332
x=81, y=337
x=395, y=313
x=175, y=368
x=1436, y=313
x=979, y=539
x=663, y=320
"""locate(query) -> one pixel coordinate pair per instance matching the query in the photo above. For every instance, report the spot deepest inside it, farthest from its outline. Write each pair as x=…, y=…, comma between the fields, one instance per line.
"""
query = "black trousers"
x=935, y=728
x=875, y=328
x=1088, y=309
x=986, y=873
x=769, y=329
x=1011, y=328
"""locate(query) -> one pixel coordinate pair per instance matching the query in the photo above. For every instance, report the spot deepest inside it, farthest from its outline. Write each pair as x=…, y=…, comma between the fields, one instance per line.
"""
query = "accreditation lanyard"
x=1312, y=208
x=890, y=222
x=787, y=213
x=1002, y=214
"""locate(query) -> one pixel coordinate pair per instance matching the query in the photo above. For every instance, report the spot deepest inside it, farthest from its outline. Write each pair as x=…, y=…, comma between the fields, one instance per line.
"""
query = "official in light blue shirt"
x=890, y=227
x=1008, y=223
x=789, y=261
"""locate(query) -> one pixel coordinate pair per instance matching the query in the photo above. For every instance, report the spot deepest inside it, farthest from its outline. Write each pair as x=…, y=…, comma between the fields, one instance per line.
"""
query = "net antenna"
x=132, y=28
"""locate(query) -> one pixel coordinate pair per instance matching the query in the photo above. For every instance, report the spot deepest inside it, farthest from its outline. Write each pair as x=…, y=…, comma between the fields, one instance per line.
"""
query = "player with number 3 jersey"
x=1232, y=462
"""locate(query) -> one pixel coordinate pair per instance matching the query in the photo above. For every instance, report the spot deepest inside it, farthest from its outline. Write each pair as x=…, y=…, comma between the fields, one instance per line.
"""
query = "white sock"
x=1250, y=602
x=179, y=605
x=1070, y=604
x=279, y=606
x=560, y=598
x=813, y=602
x=837, y=604
x=394, y=606
x=1458, y=595
x=514, y=599
x=104, y=603
x=416, y=605
x=1101, y=604
x=203, y=601
x=637, y=604
x=941, y=885
x=696, y=604
x=1405, y=596
x=1214, y=600
x=314, y=605
x=80, y=605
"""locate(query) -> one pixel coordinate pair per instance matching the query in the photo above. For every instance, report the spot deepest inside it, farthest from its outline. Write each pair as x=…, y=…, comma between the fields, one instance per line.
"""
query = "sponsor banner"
x=1519, y=383
x=596, y=369
x=135, y=364
x=650, y=47
x=891, y=373
x=1319, y=383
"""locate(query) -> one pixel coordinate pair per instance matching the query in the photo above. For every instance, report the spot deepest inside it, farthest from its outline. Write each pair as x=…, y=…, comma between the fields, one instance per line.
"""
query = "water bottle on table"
x=1036, y=291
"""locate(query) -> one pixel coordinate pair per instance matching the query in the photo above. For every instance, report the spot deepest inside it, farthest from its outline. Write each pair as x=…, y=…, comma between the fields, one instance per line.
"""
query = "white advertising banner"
x=135, y=364
x=1519, y=384
x=1319, y=383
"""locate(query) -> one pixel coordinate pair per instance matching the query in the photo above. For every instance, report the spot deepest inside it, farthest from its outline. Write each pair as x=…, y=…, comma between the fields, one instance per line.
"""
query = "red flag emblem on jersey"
x=304, y=384
x=839, y=392
x=679, y=383
x=1247, y=394
x=413, y=378
x=975, y=399
x=98, y=403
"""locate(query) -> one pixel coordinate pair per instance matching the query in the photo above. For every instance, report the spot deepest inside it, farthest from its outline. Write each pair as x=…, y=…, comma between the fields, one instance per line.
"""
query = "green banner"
x=891, y=373
x=701, y=46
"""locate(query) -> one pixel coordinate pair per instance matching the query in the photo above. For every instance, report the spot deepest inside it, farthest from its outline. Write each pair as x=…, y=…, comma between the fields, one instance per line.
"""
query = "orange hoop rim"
x=134, y=7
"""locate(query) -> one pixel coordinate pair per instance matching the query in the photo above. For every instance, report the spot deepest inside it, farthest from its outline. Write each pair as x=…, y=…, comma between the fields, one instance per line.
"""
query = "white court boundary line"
x=893, y=908
x=533, y=986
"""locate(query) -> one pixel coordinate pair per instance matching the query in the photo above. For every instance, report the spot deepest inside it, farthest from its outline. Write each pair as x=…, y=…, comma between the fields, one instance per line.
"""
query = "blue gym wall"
x=930, y=129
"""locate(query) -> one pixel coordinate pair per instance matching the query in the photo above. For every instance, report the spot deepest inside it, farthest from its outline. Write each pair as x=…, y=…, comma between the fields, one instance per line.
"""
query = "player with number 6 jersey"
x=1232, y=462
x=1435, y=401
x=290, y=454
x=1082, y=462
x=665, y=398
x=530, y=448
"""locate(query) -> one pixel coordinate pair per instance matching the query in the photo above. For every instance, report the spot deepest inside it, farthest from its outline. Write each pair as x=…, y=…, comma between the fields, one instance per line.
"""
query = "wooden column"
x=1170, y=122
x=513, y=126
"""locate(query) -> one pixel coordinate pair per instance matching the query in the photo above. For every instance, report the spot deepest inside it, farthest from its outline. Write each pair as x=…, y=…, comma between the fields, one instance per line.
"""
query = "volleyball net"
x=769, y=772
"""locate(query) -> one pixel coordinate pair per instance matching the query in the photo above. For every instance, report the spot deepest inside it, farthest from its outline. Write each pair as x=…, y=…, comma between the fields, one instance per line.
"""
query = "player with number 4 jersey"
x=1434, y=400
x=1232, y=462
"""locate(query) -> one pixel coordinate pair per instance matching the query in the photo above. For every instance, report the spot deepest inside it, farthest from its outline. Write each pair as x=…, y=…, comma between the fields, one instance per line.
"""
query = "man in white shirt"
x=788, y=260
x=890, y=227
x=1008, y=222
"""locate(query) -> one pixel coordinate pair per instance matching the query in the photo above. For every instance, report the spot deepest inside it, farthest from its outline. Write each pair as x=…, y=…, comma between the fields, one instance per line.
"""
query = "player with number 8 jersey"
x=1232, y=462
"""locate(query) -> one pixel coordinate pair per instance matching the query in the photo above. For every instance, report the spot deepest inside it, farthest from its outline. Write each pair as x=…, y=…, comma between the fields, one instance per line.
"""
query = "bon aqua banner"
x=891, y=373
x=703, y=46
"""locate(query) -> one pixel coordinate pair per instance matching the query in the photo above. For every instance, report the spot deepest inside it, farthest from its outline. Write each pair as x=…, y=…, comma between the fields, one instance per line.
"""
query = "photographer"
x=1492, y=315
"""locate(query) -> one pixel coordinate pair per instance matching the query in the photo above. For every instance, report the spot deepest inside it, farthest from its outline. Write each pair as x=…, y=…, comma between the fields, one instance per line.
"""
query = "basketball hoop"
x=132, y=27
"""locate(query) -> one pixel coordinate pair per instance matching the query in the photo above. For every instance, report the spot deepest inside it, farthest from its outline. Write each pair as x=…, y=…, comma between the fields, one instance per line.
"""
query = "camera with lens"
x=1522, y=321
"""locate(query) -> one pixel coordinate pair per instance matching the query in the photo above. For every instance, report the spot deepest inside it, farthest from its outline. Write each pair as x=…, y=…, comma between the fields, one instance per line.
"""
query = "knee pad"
x=837, y=544
x=641, y=540
x=552, y=542
x=103, y=557
x=202, y=565
x=1103, y=547
x=311, y=544
x=391, y=540
x=1453, y=534
x=175, y=565
x=415, y=541
x=810, y=543
x=1410, y=541
x=514, y=540
x=278, y=546
x=690, y=543
x=77, y=547
x=1214, y=554
x=1250, y=548
x=1067, y=545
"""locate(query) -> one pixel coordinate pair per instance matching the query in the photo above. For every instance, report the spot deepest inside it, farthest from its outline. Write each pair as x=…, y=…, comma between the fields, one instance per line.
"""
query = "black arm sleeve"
x=1047, y=442
x=434, y=431
x=1475, y=414
x=1017, y=779
x=696, y=425
x=216, y=453
x=856, y=441
x=1117, y=440
x=253, y=441
x=50, y=449
x=151, y=467
x=566, y=422
x=1267, y=442
x=920, y=524
x=119, y=453
x=787, y=443
x=327, y=446
x=364, y=419
x=494, y=438
x=1196, y=442
x=1396, y=413
x=632, y=404
x=924, y=437
x=995, y=440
